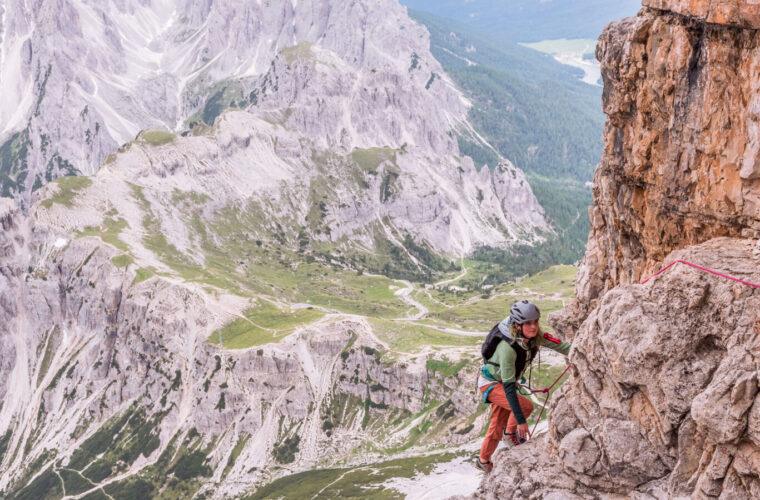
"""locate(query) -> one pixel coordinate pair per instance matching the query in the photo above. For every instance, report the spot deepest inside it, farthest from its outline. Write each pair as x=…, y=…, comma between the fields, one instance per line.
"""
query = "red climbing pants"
x=501, y=416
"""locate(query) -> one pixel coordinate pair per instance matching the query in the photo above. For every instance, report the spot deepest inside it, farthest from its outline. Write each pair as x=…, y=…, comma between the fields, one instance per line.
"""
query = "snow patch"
x=61, y=242
x=457, y=477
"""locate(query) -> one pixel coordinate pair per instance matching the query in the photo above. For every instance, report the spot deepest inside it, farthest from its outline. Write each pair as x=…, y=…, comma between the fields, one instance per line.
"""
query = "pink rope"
x=548, y=394
x=702, y=269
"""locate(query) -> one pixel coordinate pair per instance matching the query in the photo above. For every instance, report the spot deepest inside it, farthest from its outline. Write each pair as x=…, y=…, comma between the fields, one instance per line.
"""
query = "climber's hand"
x=522, y=431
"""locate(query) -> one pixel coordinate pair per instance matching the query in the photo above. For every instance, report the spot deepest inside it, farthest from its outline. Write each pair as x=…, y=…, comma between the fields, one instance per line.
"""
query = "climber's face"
x=530, y=329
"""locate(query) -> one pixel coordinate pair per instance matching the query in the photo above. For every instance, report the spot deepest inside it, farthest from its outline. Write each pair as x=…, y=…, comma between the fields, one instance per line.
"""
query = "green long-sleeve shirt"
x=505, y=357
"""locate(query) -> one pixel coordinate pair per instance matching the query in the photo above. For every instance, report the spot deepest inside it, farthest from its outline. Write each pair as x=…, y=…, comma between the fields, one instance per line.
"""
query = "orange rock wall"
x=681, y=160
x=743, y=14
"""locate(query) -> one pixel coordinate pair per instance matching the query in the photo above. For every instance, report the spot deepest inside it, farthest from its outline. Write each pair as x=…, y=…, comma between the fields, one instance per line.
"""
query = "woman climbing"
x=508, y=349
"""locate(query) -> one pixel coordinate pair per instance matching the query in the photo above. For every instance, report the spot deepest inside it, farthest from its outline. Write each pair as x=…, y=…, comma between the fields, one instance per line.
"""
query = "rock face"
x=738, y=13
x=681, y=146
x=663, y=396
x=108, y=70
x=662, y=402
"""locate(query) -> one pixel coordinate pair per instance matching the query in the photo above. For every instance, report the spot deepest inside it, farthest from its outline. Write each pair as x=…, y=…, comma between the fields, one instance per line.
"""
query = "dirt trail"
x=405, y=295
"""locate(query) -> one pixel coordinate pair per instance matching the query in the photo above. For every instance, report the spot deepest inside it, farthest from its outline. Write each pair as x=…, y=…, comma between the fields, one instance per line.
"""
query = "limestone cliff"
x=662, y=401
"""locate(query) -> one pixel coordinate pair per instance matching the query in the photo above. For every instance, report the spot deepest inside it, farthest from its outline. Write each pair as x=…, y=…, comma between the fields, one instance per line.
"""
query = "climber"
x=504, y=363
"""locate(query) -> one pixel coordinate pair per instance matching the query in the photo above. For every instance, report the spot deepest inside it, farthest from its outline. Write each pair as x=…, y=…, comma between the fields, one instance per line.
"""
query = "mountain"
x=531, y=20
x=225, y=299
x=663, y=399
x=184, y=70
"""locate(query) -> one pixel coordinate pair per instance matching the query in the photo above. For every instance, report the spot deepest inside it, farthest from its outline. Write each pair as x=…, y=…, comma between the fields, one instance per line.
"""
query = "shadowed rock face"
x=663, y=398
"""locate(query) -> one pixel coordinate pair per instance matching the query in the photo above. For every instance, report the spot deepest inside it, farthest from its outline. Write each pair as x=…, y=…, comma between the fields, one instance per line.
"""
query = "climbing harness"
x=484, y=371
x=530, y=391
x=526, y=389
x=716, y=273
x=489, y=347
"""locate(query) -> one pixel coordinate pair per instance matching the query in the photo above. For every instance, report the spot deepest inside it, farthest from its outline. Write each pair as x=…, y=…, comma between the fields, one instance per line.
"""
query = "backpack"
x=492, y=341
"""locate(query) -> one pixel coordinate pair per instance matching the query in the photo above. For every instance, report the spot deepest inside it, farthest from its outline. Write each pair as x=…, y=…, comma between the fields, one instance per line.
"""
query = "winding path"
x=405, y=295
